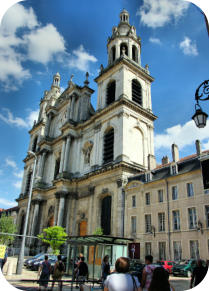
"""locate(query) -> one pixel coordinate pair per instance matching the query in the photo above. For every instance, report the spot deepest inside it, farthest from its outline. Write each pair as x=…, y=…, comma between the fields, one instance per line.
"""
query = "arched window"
x=113, y=50
x=28, y=182
x=34, y=144
x=57, y=167
x=106, y=215
x=108, y=146
x=134, y=53
x=136, y=92
x=110, y=94
x=22, y=223
x=122, y=47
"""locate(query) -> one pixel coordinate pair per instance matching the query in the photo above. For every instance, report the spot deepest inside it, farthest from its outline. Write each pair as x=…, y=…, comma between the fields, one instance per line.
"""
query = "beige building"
x=167, y=209
x=92, y=163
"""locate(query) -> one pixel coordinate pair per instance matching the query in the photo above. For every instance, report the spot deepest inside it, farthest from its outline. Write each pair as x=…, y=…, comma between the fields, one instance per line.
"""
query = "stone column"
x=56, y=208
x=121, y=208
x=48, y=123
x=62, y=156
x=36, y=203
x=67, y=153
x=72, y=107
x=69, y=109
x=42, y=163
x=61, y=210
x=68, y=202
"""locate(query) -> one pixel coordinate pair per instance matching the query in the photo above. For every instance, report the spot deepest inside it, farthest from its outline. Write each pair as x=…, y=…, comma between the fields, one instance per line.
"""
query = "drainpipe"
x=168, y=210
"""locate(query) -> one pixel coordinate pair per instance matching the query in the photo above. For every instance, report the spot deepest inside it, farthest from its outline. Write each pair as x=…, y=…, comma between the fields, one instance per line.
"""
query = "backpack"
x=83, y=269
x=61, y=267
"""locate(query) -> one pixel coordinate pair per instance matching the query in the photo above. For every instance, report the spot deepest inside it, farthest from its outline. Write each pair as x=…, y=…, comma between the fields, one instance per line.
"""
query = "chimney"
x=198, y=147
x=175, y=152
x=165, y=160
x=151, y=162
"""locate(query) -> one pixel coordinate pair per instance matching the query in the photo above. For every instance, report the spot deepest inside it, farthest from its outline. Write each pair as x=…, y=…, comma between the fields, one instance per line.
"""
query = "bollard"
x=10, y=268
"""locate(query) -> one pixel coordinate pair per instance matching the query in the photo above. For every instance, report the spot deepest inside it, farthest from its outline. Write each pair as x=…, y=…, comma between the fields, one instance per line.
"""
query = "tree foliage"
x=7, y=225
x=98, y=231
x=55, y=236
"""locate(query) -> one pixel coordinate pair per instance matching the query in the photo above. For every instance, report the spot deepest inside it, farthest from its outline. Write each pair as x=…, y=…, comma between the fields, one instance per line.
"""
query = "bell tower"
x=125, y=86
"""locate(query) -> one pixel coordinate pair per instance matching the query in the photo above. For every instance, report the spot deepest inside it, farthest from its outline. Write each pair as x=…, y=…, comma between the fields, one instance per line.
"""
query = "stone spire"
x=56, y=81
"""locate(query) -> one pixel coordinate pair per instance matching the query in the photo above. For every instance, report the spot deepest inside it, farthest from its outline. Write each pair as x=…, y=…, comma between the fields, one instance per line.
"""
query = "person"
x=76, y=268
x=44, y=273
x=83, y=273
x=58, y=272
x=120, y=279
x=198, y=274
x=147, y=272
x=105, y=268
x=160, y=280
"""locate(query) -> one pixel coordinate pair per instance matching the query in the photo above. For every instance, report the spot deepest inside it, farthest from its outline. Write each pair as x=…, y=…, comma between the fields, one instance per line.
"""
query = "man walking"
x=198, y=274
x=83, y=273
x=147, y=273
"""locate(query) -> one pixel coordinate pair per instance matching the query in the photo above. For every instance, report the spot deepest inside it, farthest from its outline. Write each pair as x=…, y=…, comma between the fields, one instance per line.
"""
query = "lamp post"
x=22, y=248
x=201, y=94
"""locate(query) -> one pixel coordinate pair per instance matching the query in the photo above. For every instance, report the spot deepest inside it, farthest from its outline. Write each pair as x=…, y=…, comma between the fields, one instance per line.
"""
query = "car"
x=36, y=263
x=29, y=260
x=167, y=265
x=184, y=269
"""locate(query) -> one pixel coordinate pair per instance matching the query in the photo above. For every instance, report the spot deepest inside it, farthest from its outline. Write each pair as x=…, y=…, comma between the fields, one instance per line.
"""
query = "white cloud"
x=17, y=17
x=11, y=163
x=44, y=43
x=188, y=47
x=9, y=118
x=81, y=59
x=7, y=203
x=183, y=135
x=155, y=40
x=205, y=146
x=18, y=184
x=157, y=13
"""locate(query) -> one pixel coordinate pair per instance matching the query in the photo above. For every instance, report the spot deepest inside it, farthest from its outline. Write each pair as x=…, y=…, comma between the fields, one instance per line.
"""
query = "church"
x=94, y=166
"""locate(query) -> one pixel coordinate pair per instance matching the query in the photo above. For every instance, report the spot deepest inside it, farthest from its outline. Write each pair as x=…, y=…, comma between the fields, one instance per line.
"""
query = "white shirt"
x=120, y=281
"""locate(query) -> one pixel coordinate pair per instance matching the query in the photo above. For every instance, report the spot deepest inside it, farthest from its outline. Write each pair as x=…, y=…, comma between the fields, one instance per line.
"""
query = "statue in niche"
x=87, y=151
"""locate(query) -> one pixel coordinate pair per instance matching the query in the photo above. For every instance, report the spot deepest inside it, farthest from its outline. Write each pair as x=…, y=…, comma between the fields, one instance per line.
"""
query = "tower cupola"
x=124, y=42
x=56, y=81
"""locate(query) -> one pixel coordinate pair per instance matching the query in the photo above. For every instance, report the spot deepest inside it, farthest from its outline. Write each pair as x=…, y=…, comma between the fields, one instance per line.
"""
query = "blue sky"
x=40, y=37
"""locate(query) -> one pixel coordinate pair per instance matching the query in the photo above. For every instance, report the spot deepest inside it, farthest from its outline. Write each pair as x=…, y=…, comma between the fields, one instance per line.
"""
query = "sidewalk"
x=33, y=275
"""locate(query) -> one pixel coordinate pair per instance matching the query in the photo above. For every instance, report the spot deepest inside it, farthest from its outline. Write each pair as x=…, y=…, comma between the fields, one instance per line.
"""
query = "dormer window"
x=148, y=177
x=174, y=169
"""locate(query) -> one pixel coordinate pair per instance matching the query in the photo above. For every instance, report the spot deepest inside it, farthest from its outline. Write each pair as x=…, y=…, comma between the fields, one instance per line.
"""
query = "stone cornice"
x=36, y=126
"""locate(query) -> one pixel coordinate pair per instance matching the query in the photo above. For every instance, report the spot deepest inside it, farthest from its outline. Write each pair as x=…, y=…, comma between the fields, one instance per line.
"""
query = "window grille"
x=136, y=92
x=161, y=221
x=192, y=218
x=160, y=195
x=147, y=198
x=194, y=249
x=148, y=248
x=110, y=98
x=176, y=220
x=162, y=251
x=174, y=193
x=148, y=227
x=190, y=190
x=133, y=224
x=177, y=251
x=108, y=146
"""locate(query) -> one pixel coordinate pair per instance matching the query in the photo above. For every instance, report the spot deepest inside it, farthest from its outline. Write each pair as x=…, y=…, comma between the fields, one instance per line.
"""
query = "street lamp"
x=22, y=247
x=200, y=117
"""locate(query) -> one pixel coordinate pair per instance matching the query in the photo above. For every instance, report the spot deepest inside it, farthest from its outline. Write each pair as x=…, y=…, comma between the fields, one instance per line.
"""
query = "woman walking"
x=120, y=279
x=44, y=270
x=59, y=269
x=105, y=267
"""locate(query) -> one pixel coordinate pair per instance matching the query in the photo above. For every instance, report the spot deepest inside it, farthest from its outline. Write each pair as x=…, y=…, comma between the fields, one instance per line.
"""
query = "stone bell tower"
x=124, y=81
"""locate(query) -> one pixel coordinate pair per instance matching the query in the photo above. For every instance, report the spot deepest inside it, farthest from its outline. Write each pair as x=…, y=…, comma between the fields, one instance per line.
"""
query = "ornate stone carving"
x=87, y=151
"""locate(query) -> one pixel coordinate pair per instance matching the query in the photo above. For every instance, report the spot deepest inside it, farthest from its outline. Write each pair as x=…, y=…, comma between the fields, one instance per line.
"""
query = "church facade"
x=86, y=158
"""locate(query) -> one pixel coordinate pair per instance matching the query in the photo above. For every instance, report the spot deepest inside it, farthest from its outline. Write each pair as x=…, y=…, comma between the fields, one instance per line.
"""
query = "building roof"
x=184, y=165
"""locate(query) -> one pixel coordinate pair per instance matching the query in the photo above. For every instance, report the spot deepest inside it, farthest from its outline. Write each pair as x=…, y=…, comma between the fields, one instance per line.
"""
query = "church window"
x=28, y=182
x=56, y=169
x=34, y=144
x=110, y=98
x=113, y=53
x=124, y=47
x=108, y=146
x=134, y=53
x=106, y=215
x=136, y=92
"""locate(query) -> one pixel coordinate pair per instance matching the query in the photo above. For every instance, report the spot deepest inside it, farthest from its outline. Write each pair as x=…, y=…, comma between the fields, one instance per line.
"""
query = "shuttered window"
x=136, y=92
x=108, y=146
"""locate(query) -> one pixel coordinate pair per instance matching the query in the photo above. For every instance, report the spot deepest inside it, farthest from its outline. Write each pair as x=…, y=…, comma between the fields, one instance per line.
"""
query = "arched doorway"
x=106, y=215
